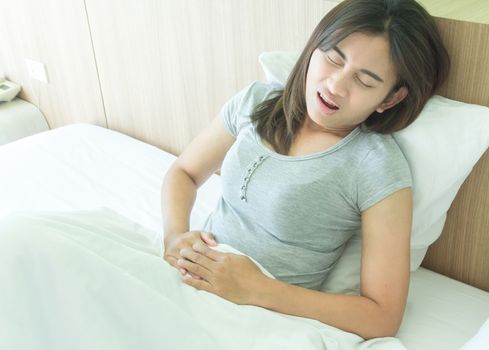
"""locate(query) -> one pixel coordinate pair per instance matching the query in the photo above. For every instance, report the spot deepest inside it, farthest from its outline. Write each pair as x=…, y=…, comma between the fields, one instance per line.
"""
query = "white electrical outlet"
x=37, y=70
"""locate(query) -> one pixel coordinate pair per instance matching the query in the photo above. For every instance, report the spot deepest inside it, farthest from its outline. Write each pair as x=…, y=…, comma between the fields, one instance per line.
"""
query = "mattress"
x=82, y=167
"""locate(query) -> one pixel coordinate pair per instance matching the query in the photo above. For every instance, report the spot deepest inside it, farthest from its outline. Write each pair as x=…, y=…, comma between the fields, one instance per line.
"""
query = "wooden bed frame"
x=462, y=251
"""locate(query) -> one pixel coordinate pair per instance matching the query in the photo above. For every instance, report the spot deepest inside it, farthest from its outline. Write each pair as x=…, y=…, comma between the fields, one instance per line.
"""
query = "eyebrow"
x=366, y=71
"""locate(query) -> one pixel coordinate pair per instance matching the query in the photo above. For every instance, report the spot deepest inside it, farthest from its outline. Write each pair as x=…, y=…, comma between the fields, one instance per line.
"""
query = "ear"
x=393, y=99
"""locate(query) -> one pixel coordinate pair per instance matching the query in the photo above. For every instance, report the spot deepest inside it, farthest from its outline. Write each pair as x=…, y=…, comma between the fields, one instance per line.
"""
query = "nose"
x=337, y=84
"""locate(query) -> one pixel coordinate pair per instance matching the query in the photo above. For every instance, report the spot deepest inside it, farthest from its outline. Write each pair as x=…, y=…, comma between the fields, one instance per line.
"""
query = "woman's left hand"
x=230, y=276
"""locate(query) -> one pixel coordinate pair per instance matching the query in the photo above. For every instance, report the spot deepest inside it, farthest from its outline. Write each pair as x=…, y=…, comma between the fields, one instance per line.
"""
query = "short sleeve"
x=383, y=171
x=236, y=112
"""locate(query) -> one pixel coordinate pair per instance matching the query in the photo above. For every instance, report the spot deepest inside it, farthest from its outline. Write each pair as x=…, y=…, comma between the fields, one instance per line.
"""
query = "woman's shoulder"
x=256, y=92
x=382, y=170
x=380, y=144
x=237, y=111
x=381, y=150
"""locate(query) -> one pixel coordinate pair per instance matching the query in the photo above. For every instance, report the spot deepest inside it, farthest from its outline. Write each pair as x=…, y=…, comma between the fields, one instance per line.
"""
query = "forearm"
x=355, y=314
x=178, y=196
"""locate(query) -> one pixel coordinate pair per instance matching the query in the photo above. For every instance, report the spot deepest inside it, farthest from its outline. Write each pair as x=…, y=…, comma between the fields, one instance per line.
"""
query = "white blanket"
x=94, y=280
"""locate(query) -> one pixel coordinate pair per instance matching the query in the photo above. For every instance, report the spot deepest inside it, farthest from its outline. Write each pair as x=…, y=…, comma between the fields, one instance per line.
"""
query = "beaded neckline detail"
x=248, y=174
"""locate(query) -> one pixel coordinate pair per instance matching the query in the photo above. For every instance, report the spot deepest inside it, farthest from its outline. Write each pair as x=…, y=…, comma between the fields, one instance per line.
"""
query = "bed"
x=88, y=169
x=83, y=178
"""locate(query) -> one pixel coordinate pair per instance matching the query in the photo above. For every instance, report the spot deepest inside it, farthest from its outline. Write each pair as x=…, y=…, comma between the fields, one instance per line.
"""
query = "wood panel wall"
x=131, y=65
x=146, y=68
x=166, y=67
x=462, y=251
x=476, y=11
x=56, y=33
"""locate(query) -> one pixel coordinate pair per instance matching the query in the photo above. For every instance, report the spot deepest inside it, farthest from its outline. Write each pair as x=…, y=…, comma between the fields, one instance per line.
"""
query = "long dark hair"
x=418, y=54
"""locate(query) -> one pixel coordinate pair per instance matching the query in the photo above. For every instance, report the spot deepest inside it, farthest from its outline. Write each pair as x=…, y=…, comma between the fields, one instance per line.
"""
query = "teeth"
x=328, y=101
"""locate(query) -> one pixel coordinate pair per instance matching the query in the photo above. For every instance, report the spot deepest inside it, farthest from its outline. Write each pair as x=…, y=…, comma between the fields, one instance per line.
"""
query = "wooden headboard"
x=462, y=251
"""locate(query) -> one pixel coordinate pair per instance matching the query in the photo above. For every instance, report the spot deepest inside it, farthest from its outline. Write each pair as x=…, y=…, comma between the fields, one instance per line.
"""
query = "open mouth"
x=328, y=104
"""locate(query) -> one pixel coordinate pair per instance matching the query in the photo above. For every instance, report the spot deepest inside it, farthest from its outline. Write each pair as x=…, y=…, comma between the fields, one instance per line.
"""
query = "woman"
x=306, y=167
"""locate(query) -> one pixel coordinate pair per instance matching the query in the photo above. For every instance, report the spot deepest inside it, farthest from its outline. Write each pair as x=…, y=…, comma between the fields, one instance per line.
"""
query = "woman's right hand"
x=175, y=242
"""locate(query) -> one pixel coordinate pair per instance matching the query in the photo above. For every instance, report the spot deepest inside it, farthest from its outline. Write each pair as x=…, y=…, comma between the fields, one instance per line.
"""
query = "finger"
x=171, y=260
x=197, y=258
x=192, y=275
x=208, y=252
x=194, y=269
x=197, y=283
x=208, y=238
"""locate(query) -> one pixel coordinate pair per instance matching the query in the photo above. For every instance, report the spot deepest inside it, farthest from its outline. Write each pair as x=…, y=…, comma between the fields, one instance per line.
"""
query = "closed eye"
x=339, y=64
x=362, y=83
x=333, y=61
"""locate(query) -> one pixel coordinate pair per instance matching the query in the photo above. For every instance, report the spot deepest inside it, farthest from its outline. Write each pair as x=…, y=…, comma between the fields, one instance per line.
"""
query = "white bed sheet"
x=441, y=313
x=83, y=166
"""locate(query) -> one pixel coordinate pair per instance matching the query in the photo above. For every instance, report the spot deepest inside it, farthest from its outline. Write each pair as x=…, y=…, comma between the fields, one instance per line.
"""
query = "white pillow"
x=277, y=65
x=441, y=146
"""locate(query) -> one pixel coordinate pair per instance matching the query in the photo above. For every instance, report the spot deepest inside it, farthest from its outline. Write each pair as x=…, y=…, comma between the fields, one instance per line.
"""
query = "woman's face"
x=345, y=84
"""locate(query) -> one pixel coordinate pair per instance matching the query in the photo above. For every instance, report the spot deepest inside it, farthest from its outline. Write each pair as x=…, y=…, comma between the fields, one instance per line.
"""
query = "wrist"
x=265, y=292
x=170, y=236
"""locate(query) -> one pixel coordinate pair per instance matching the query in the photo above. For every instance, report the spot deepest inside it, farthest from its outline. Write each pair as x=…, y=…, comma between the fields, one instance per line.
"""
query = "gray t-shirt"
x=294, y=214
